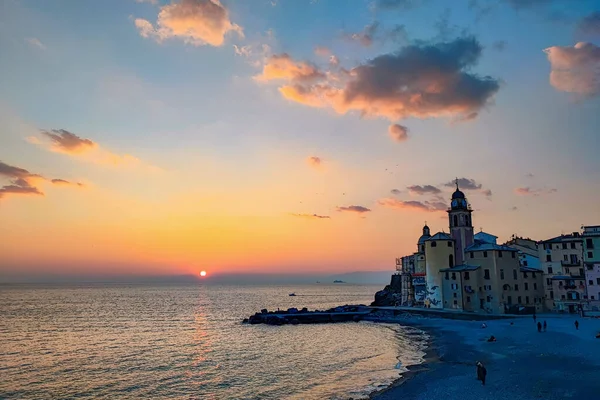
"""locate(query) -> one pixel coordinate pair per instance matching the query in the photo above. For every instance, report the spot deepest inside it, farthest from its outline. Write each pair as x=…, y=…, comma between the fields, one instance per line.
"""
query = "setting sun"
x=202, y=273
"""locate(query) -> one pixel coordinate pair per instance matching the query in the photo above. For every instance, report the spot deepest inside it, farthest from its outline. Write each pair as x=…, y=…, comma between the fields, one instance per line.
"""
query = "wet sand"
x=522, y=364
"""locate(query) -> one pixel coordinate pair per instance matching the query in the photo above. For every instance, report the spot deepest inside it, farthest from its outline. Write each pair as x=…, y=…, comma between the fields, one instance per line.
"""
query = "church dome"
x=458, y=194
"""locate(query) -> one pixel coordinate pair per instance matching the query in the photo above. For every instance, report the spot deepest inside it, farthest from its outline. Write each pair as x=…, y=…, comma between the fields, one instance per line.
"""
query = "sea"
x=117, y=341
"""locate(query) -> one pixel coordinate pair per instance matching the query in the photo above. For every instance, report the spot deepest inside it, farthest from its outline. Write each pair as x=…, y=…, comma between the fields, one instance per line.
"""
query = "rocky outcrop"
x=391, y=295
x=294, y=316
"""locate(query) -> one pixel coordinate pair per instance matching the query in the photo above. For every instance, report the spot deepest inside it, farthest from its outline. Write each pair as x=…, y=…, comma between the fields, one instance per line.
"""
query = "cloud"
x=465, y=184
x=63, y=141
x=419, y=190
x=283, y=67
x=315, y=162
x=400, y=4
x=426, y=206
x=366, y=36
x=395, y=191
x=23, y=182
x=36, y=42
x=67, y=142
x=514, y=208
x=575, y=69
x=311, y=216
x=322, y=51
x=398, y=133
x=354, y=209
x=66, y=183
x=528, y=191
x=196, y=22
x=590, y=24
x=420, y=81
x=499, y=45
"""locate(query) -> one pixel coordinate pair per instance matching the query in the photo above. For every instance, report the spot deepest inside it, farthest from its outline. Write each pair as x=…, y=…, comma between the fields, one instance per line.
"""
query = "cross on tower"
x=456, y=181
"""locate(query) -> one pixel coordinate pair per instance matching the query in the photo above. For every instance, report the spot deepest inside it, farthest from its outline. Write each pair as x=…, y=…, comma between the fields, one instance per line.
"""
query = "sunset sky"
x=148, y=137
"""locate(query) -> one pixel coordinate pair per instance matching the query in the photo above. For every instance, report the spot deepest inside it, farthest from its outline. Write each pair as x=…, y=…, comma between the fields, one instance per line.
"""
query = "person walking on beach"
x=481, y=372
x=545, y=326
x=576, y=324
x=539, y=325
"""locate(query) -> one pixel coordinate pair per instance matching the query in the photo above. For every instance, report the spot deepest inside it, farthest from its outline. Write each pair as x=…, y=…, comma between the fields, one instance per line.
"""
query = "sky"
x=148, y=137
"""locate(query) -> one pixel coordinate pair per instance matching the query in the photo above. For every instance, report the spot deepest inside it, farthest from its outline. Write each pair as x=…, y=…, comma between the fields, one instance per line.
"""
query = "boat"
x=338, y=281
x=292, y=294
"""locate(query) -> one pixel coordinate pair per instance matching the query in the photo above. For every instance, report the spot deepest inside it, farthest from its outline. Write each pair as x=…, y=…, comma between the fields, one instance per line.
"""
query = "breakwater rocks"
x=293, y=316
x=391, y=295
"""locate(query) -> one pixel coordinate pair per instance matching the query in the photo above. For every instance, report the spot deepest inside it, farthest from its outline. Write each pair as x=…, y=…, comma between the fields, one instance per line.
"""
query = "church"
x=468, y=271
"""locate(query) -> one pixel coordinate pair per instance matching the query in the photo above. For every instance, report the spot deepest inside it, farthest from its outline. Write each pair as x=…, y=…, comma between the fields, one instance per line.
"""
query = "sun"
x=202, y=273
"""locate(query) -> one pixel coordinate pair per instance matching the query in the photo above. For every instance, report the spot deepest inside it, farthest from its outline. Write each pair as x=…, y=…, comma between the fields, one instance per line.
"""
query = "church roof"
x=423, y=238
x=461, y=268
x=480, y=245
x=439, y=236
x=458, y=194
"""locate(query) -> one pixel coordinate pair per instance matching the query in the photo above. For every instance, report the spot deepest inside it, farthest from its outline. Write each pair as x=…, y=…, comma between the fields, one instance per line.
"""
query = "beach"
x=522, y=364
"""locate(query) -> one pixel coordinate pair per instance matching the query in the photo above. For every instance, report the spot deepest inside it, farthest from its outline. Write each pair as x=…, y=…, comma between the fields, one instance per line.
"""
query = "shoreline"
x=523, y=364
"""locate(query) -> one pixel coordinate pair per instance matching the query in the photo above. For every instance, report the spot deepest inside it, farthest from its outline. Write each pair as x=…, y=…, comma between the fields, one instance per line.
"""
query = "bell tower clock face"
x=454, y=203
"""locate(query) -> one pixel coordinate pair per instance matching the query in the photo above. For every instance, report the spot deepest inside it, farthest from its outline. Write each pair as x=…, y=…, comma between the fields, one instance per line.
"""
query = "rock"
x=292, y=310
x=245, y=321
x=294, y=321
x=264, y=311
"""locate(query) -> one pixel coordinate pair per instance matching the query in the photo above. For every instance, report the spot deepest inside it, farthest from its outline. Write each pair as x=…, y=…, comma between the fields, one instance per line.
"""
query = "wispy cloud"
x=66, y=183
x=315, y=162
x=36, y=43
x=311, y=216
x=419, y=190
x=354, y=209
x=426, y=206
x=396, y=191
x=63, y=141
x=23, y=182
x=469, y=184
x=528, y=191
x=398, y=133
x=196, y=22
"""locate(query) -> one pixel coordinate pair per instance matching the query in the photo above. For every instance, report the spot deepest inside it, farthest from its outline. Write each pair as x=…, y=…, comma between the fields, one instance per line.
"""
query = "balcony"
x=570, y=263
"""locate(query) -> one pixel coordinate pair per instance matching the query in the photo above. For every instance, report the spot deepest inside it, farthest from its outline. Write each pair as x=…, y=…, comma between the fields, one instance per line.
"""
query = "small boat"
x=292, y=294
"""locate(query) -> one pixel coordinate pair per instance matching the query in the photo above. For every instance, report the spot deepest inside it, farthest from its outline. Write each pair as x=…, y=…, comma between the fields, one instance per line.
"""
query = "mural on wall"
x=433, y=296
x=420, y=288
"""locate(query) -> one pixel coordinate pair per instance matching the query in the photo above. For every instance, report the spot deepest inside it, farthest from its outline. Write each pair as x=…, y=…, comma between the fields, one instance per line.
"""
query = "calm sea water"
x=187, y=342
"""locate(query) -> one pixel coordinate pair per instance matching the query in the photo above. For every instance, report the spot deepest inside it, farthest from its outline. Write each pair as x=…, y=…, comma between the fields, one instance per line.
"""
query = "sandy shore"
x=522, y=364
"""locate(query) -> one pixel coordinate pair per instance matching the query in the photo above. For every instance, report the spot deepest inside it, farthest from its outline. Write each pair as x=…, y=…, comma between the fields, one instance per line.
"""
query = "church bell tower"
x=461, y=224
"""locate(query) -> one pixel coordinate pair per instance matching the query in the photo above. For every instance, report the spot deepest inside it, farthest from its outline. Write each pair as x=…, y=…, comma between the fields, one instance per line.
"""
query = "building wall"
x=461, y=290
x=591, y=260
x=437, y=254
x=563, y=257
x=490, y=287
x=420, y=263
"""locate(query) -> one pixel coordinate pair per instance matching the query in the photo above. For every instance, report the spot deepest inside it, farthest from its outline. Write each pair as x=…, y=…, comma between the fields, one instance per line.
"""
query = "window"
x=590, y=254
x=549, y=270
x=589, y=244
x=455, y=219
x=526, y=286
x=501, y=274
x=500, y=254
x=549, y=257
x=526, y=299
x=567, y=271
x=488, y=299
x=580, y=271
x=533, y=275
x=591, y=282
x=468, y=299
x=454, y=276
x=535, y=286
x=455, y=302
x=548, y=281
x=433, y=244
x=551, y=294
x=449, y=244
x=514, y=274
x=560, y=283
x=519, y=300
x=592, y=297
x=566, y=257
x=447, y=275
x=422, y=248
x=471, y=253
x=486, y=274
x=573, y=246
x=485, y=254
x=516, y=287
x=524, y=262
x=598, y=281
x=513, y=254
x=451, y=260
x=524, y=274
x=466, y=275
x=455, y=295
x=562, y=296
x=564, y=245
x=509, y=300
x=574, y=259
